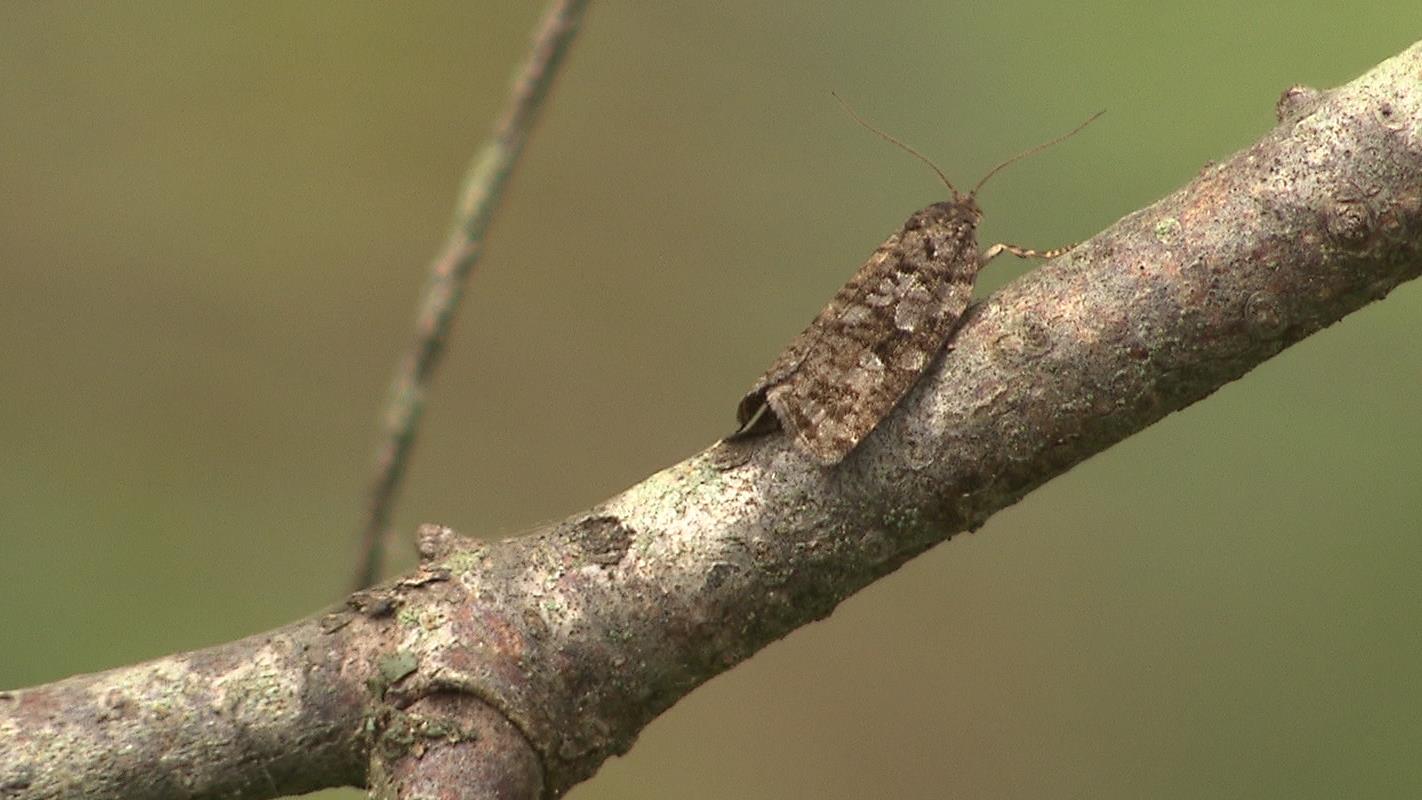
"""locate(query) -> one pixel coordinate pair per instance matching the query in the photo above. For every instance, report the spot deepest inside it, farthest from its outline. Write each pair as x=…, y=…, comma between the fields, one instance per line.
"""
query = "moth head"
x=961, y=210
x=956, y=218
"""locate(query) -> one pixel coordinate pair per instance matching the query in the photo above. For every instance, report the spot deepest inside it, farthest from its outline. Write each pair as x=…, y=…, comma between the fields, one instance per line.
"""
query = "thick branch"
x=581, y=634
x=272, y=714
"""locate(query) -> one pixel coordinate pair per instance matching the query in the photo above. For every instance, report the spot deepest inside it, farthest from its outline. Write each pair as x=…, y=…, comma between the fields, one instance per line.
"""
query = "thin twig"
x=483, y=187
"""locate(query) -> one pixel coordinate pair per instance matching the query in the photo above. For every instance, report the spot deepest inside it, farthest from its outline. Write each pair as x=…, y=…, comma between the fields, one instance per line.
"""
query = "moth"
x=839, y=378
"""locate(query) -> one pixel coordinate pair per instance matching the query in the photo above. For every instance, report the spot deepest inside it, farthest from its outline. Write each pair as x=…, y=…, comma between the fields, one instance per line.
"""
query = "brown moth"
x=834, y=382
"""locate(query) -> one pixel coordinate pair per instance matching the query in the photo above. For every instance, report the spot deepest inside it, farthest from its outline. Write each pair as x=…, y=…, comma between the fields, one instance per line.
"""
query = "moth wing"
x=834, y=382
x=750, y=413
x=831, y=403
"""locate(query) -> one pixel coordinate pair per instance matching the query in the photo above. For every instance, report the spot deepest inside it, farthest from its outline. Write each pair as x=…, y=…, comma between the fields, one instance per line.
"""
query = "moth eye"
x=930, y=249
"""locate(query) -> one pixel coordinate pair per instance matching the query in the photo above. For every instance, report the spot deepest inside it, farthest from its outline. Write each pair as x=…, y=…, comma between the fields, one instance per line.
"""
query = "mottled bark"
x=581, y=633
x=272, y=714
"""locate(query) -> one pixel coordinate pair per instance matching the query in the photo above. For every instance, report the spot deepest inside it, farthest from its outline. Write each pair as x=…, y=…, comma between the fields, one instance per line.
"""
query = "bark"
x=515, y=669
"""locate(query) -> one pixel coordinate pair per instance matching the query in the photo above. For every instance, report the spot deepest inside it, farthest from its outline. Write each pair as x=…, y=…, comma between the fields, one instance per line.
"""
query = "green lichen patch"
x=391, y=669
x=397, y=665
x=406, y=733
x=1167, y=231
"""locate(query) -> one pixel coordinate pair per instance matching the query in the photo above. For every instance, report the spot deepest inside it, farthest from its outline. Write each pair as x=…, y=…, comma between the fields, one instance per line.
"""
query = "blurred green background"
x=215, y=219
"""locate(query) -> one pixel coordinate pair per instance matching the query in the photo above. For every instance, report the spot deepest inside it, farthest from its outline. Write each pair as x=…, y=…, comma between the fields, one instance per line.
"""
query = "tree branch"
x=582, y=633
x=439, y=301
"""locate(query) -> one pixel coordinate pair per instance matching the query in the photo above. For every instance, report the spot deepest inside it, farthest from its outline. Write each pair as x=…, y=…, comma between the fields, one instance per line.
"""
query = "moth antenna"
x=1029, y=151
x=891, y=140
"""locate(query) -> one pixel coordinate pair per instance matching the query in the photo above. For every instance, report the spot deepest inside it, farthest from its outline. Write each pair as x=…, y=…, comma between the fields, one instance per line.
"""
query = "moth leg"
x=1022, y=252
